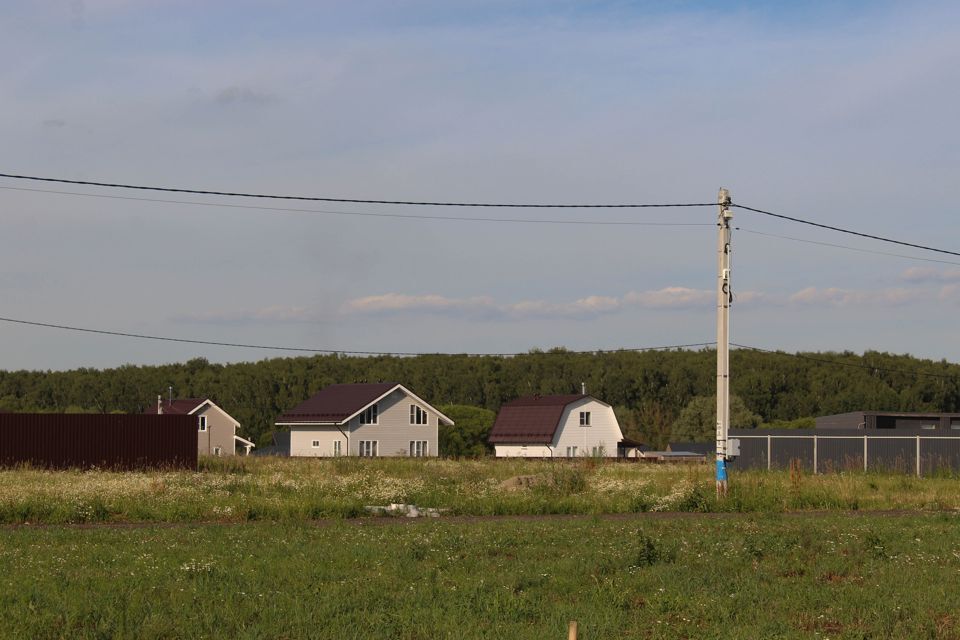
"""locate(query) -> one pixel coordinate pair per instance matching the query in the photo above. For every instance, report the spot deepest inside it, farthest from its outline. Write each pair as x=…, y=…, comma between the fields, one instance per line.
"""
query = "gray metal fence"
x=920, y=452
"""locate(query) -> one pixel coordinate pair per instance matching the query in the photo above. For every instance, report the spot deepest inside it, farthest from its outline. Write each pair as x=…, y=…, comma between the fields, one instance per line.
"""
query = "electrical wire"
x=412, y=216
x=847, y=231
x=354, y=200
x=141, y=336
x=843, y=246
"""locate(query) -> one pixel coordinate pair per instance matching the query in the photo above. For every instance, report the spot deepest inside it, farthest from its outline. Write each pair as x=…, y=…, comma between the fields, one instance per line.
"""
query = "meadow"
x=825, y=575
x=297, y=490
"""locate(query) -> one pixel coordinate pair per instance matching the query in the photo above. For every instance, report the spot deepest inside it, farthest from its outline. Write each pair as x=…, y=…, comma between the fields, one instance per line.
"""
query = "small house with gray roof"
x=366, y=420
x=562, y=426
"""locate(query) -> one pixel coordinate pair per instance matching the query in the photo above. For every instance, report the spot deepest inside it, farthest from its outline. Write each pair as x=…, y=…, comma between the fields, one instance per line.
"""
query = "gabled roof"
x=187, y=407
x=180, y=406
x=533, y=419
x=339, y=403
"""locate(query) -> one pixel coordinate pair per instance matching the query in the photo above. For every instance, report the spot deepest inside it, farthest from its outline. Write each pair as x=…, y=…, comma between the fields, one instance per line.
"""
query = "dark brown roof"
x=533, y=419
x=337, y=402
x=180, y=406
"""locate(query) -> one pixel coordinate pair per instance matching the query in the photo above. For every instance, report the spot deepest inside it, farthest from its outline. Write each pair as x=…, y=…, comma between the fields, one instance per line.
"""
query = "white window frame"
x=314, y=444
x=368, y=448
x=571, y=452
x=337, y=448
x=584, y=418
x=419, y=415
x=202, y=423
x=419, y=448
x=371, y=415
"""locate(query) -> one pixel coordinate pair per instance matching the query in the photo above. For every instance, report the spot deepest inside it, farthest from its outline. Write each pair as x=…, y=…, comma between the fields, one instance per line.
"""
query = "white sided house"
x=569, y=426
x=366, y=420
x=216, y=429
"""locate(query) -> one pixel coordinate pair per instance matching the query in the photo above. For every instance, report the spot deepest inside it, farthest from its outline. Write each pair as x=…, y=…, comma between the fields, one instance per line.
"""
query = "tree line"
x=657, y=395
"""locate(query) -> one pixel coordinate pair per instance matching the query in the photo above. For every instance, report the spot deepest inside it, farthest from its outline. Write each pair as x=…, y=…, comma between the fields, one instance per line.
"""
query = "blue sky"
x=843, y=113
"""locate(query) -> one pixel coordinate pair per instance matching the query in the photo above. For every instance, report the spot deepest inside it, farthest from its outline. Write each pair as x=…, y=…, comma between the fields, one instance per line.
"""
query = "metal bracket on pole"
x=724, y=297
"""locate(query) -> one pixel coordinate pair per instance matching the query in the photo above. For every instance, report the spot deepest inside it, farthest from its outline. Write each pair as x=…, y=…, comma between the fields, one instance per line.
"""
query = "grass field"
x=290, y=490
x=640, y=576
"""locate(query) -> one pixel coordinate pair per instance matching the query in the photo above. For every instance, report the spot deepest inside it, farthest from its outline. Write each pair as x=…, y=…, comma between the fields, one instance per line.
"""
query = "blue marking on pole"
x=721, y=470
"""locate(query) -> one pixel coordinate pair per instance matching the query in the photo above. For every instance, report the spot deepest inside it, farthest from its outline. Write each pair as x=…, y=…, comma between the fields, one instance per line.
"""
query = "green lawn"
x=643, y=576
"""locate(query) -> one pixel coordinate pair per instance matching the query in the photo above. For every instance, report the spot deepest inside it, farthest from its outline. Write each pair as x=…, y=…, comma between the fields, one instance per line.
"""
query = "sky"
x=840, y=113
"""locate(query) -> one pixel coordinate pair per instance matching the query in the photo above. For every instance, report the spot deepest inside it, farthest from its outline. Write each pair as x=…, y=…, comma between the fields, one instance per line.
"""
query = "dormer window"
x=370, y=415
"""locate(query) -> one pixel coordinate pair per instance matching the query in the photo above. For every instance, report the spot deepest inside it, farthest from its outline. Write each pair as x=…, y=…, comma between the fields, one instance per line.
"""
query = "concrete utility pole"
x=723, y=337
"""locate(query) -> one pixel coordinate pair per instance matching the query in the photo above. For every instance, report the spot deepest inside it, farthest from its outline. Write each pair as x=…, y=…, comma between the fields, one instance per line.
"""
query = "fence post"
x=865, y=453
x=814, y=454
x=572, y=630
x=918, y=455
x=768, y=451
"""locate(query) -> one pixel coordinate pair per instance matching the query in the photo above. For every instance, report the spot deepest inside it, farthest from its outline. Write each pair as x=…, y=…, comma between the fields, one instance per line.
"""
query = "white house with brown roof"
x=564, y=426
x=216, y=429
x=367, y=420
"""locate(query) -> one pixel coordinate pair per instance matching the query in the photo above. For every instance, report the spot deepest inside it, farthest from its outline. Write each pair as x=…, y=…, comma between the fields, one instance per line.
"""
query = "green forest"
x=658, y=395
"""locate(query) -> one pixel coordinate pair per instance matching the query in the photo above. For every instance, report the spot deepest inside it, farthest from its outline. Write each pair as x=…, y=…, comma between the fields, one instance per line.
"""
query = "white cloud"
x=593, y=305
x=837, y=297
x=931, y=274
x=398, y=302
x=671, y=298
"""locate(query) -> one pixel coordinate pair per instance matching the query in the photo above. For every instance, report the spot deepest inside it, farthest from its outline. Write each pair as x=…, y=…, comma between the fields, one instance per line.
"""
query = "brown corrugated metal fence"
x=105, y=441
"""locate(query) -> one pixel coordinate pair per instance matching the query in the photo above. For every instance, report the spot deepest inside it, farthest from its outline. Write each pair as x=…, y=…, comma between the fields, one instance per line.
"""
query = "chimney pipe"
x=170, y=392
x=583, y=388
x=159, y=405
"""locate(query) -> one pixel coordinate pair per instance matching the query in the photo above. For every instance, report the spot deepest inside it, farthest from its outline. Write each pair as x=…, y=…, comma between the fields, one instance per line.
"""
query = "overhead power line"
x=847, y=231
x=847, y=247
x=206, y=192
x=115, y=185
x=413, y=216
x=142, y=336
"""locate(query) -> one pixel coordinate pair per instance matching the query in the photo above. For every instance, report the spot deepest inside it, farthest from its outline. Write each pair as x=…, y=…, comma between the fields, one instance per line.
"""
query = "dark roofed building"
x=566, y=426
x=216, y=429
x=367, y=420
x=890, y=420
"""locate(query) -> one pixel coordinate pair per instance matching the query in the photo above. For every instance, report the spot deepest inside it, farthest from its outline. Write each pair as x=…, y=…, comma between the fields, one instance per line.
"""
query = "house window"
x=584, y=418
x=418, y=448
x=571, y=452
x=370, y=415
x=954, y=423
x=217, y=451
x=315, y=444
x=417, y=415
x=202, y=422
x=597, y=452
x=336, y=448
x=368, y=448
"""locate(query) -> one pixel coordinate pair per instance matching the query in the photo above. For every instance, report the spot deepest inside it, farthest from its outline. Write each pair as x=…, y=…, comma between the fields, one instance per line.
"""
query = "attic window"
x=584, y=418
x=370, y=415
x=202, y=423
x=417, y=415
